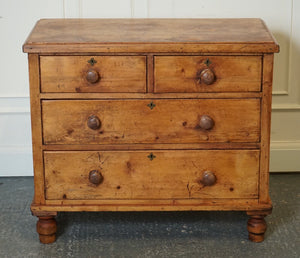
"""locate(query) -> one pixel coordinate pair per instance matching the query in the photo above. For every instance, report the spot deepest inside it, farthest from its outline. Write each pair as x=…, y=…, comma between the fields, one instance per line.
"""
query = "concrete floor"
x=150, y=234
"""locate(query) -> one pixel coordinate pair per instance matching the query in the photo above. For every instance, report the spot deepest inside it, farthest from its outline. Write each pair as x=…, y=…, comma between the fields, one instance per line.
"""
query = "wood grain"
x=266, y=109
x=150, y=72
x=132, y=175
x=158, y=35
x=257, y=227
x=204, y=95
x=46, y=227
x=117, y=73
x=181, y=73
x=112, y=48
x=152, y=205
x=36, y=129
x=133, y=116
x=132, y=121
x=217, y=202
x=157, y=146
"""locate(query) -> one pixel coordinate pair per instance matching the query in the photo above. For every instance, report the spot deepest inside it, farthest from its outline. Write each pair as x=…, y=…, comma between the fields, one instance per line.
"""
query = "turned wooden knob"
x=207, y=76
x=94, y=122
x=92, y=76
x=95, y=177
x=206, y=122
x=208, y=178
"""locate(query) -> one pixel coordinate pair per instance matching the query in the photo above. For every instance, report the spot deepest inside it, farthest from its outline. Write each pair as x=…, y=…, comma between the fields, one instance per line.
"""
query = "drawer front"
x=169, y=174
x=150, y=121
x=207, y=73
x=93, y=73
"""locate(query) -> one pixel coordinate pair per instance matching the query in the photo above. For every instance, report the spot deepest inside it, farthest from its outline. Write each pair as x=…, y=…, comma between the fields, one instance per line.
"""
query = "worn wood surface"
x=152, y=205
x=143, y=158
x=117, y=73
x=157, y=146
x=46, y=227
x=42, y=213
x=133, y=121
x=133, y=175
x=150, y=73
x=150, y=35
x=266, y=109
x=201, y=203
x=149, y=53
x=257, y=227
x=196, y=95
x=232, y=74
x=36, y=127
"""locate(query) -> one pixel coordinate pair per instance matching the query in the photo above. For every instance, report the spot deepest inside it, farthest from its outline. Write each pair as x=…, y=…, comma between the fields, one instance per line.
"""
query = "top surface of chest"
x=150, y=35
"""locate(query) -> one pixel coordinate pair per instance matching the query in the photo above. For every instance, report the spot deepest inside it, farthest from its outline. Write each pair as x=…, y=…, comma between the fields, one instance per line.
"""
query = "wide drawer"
x=151, y=175
x=150, y=121
x=207, y=73
x=93, y=73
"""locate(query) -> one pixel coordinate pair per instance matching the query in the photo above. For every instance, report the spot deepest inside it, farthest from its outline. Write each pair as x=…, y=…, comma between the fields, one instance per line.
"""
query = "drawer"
x=150, y=121
x=169, y=174
x=93, y=73
x=207, y=73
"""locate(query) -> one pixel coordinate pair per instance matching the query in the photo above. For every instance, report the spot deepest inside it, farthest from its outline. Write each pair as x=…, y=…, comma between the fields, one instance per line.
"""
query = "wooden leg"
x=46, y=227
x=257, y=227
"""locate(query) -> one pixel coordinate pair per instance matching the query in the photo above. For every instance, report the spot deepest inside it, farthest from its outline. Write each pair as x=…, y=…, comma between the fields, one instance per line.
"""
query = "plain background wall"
x=17, y=18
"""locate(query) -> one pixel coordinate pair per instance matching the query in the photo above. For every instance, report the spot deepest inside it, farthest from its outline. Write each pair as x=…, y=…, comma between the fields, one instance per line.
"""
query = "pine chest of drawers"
x=144, y=115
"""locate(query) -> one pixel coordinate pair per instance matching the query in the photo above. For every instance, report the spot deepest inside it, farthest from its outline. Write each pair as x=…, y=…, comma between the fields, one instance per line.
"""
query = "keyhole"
x=207, y=62
x=151, y=105
x=92, y=61
x=151, y=156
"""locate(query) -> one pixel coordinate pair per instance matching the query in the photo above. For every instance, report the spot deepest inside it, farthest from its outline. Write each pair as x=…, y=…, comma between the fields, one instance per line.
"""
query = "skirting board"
x=285, y=157
x=17, y=160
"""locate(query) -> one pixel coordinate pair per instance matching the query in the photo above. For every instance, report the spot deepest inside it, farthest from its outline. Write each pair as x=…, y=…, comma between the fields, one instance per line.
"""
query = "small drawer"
x=89, y=175
x=93, y=73
x=150, y=121
x=207, y=74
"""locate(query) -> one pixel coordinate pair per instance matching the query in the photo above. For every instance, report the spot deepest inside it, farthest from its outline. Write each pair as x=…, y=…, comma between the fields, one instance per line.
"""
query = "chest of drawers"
x=150, y=115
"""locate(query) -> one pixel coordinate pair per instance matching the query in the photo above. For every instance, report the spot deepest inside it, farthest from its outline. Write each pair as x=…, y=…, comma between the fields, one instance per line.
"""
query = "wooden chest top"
x=150, y=35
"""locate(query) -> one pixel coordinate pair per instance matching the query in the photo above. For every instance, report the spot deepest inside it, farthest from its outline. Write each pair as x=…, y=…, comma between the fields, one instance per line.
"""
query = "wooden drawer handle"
x=95, y=177
x=94, y=122
x=208, y=178
x=206, y=122
x=207, y=76
x=92, y=76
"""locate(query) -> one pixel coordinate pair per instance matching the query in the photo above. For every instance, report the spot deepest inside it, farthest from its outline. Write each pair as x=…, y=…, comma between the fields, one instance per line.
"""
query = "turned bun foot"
x=46, y=227
x=257, y=227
